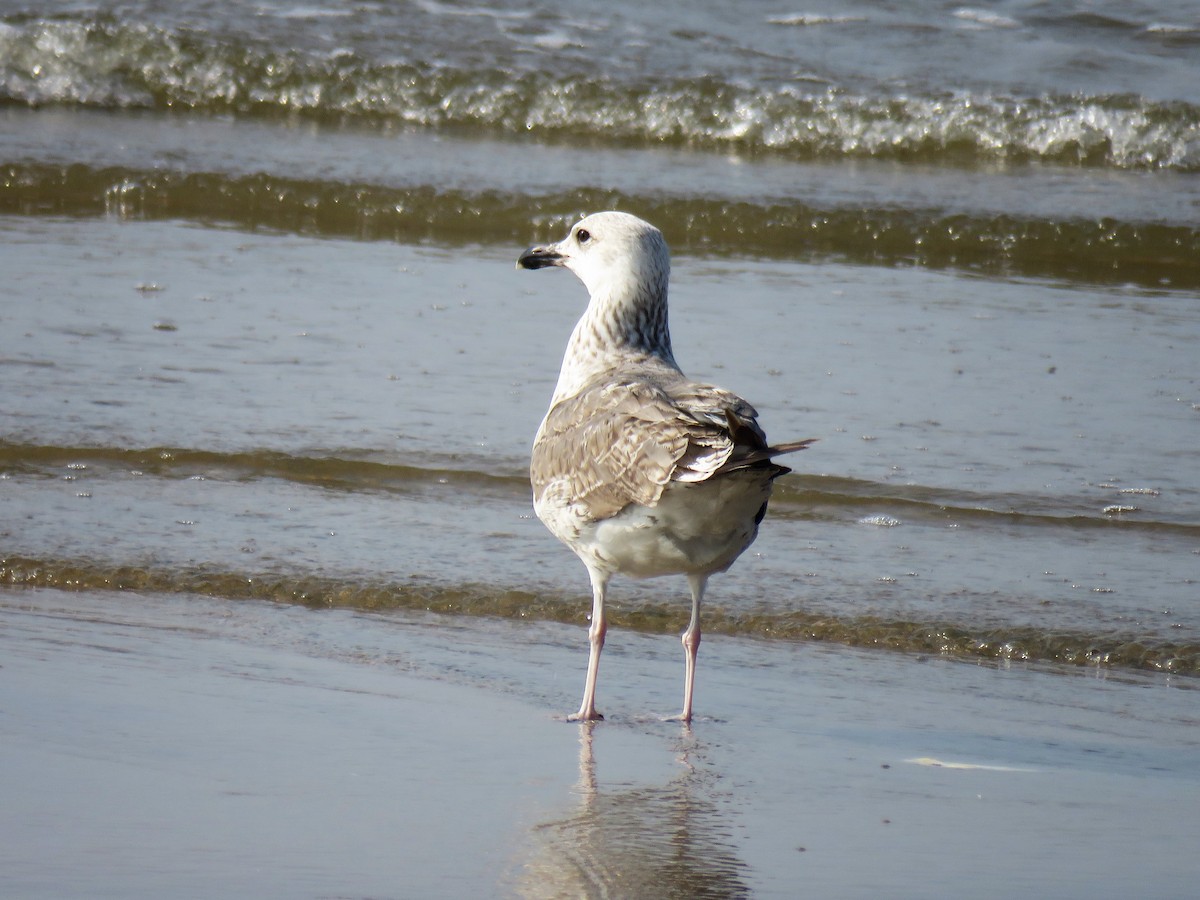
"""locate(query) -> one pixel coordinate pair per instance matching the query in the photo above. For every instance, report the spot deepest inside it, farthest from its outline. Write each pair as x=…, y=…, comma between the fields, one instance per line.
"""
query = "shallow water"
x=347, y=423
x=270, y=580
x=261, y=333
x=180, y=744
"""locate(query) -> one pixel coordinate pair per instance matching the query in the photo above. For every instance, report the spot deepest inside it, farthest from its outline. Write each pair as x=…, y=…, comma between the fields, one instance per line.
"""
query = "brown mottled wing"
x=621, y=442
x=750, y=447
x=732, y=431
x=741, y=444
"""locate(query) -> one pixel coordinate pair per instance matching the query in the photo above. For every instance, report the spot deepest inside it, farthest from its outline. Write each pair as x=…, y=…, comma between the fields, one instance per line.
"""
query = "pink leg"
x=691, y=643
x=599, y=627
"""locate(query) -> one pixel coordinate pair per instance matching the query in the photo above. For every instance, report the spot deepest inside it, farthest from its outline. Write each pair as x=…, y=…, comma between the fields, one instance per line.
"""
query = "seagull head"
x=613, y=253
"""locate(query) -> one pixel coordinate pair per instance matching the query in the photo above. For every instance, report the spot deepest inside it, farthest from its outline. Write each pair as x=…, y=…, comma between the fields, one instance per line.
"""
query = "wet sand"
x=187, y=747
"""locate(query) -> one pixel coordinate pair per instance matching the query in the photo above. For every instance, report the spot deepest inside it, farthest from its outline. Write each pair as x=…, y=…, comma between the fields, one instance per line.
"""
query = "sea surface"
x=262, y=337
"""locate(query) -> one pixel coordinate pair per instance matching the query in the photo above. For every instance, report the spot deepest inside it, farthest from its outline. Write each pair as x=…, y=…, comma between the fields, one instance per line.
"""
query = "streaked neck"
x=619, y=329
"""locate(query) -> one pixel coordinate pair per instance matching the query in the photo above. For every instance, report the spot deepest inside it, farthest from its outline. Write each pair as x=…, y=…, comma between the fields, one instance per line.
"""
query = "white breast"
x=698, y=528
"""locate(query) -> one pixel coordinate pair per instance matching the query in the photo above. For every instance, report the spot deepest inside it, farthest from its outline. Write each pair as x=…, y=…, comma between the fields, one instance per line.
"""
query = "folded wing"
x=621, y=442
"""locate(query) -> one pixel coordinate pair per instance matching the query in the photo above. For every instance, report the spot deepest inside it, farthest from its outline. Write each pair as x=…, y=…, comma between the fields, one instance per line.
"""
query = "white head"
x=625, y=265
x=616, y=255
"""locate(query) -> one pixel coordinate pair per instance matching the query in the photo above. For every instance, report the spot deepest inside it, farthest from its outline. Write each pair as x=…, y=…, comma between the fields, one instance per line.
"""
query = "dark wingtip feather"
x=790, y=446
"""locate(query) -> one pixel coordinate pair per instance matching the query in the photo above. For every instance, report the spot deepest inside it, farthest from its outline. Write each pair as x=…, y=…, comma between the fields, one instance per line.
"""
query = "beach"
x=186, y=747
x=276, y=615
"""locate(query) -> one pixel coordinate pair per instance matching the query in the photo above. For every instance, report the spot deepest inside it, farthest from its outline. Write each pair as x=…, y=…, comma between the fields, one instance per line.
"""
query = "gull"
x=638, y=469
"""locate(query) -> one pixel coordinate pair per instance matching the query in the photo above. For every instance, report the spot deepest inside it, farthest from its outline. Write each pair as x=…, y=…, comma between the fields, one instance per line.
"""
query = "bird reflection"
x=660, y=841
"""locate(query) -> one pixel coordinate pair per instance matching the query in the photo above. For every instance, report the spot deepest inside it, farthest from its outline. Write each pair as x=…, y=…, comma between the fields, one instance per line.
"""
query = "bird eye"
x=583, y=235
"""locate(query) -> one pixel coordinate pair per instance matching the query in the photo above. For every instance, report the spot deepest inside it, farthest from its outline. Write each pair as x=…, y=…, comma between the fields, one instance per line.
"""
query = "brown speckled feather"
x=621, y=441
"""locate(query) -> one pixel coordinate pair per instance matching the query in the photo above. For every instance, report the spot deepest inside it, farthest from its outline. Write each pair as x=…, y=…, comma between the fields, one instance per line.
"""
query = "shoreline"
x=181, y=745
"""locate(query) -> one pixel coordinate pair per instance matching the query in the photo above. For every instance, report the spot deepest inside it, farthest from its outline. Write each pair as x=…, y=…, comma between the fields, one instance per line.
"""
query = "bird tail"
x=779, y=450
x=789, y=447
x=751, y=448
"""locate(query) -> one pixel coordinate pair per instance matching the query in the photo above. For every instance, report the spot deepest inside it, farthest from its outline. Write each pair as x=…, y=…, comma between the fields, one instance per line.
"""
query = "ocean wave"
x=957, y=640
x=798, y=496
x=1156, y=255
x=104, y=63
x=345, y=471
